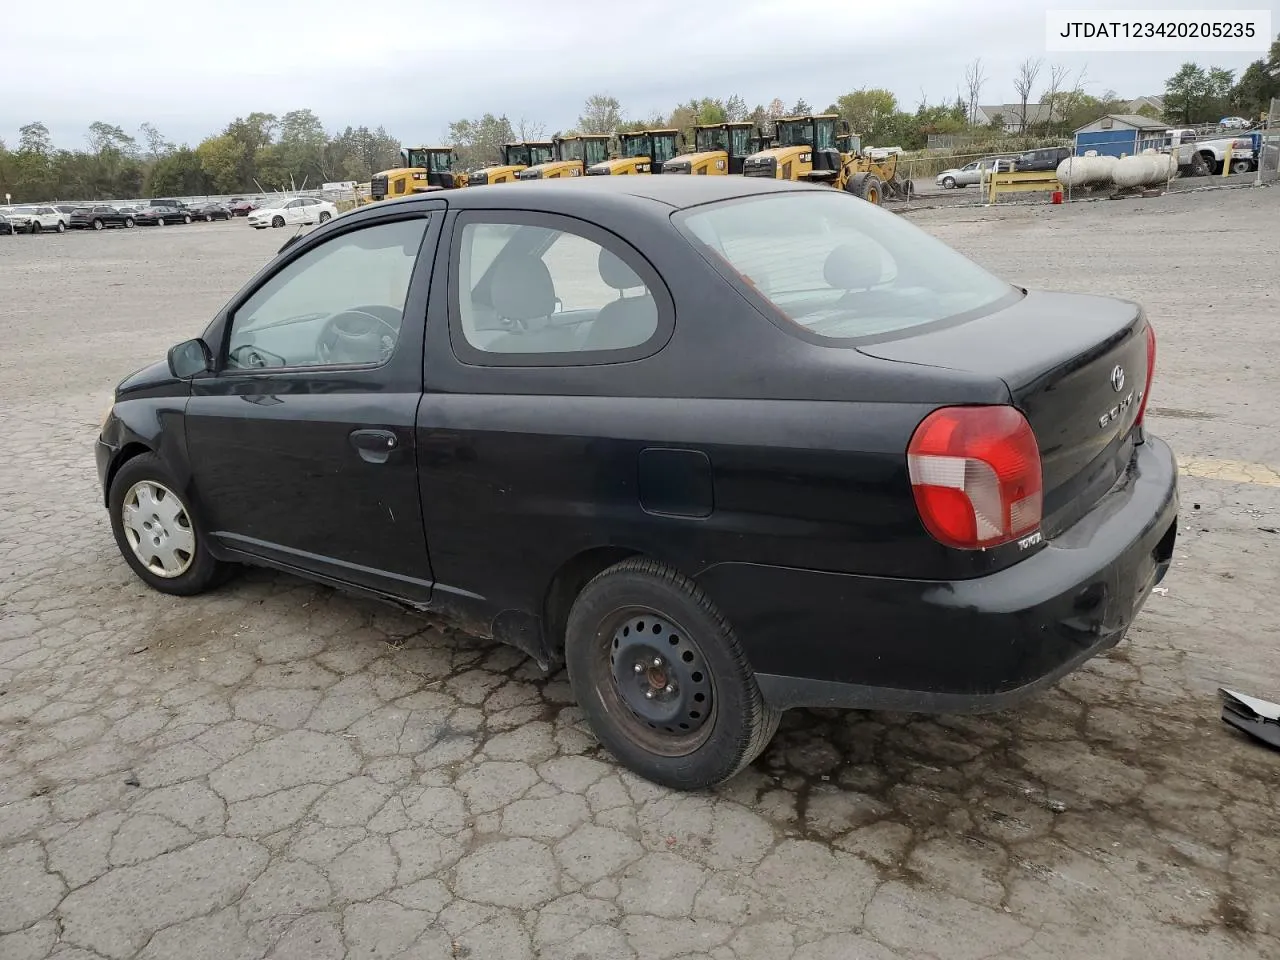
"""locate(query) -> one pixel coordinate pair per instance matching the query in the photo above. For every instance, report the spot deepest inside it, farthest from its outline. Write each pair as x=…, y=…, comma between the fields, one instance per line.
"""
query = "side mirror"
x=189, y=358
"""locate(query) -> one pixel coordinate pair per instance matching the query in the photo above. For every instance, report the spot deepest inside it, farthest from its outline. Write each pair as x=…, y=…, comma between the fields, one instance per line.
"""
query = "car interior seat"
x=524, y=299
x=626, y=321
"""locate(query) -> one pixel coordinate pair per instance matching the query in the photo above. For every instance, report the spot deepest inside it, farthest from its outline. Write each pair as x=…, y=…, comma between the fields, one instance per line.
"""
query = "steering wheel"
x=356, y=336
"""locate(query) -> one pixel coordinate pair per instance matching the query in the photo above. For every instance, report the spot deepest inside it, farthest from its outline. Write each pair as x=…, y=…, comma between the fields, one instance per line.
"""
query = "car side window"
x=338, y=304
x=524, y=288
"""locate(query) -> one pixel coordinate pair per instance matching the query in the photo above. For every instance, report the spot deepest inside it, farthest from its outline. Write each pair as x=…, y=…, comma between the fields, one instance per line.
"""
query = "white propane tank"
x=1071, y=171
x=1107, y=168
x=1129, y=171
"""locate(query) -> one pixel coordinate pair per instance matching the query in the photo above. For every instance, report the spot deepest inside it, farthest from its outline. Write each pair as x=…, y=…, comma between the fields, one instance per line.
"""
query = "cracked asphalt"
x=278, y=770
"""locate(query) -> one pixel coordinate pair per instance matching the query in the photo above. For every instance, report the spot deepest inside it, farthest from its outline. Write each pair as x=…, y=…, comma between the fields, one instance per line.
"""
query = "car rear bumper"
x=838, y=640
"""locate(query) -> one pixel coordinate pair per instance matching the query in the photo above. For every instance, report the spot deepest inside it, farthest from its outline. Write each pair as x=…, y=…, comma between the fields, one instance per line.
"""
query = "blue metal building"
x=1120, y=134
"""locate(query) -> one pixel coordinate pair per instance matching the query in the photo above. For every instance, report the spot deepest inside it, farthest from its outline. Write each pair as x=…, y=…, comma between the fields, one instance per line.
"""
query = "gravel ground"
x=279, y=770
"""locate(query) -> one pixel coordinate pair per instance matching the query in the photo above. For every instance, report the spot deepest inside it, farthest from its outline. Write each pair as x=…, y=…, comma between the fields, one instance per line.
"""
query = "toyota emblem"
x=1117, y=378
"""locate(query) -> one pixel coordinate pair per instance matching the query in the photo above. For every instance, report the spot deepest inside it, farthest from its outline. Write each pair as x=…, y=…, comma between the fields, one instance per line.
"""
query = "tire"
x=186, y=218
x=324, y=216
x=35, y=227
x=1211, y=163
x=160, y=221
x=867, y=186
x=277, y=221
x=98, y=224
x=208, y=218
x=193, y=571
x=949, y=182
x=1240, y=166
x=62, y=227
x=128, y=223
x=708, y=719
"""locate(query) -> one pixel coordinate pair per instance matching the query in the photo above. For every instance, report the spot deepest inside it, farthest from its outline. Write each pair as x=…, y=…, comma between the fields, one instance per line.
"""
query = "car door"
x=294, y=212
x=301, y=440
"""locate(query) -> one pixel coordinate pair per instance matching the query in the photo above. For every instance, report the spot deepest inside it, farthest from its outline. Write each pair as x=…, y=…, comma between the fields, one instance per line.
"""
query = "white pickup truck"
x=1206, y=157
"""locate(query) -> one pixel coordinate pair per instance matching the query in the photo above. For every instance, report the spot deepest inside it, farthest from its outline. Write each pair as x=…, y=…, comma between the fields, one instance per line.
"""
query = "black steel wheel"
x=662, y=679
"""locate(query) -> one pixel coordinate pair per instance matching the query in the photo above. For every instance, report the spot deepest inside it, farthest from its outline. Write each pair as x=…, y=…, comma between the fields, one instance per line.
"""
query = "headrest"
x=522, y=289
x=615, y=273
x=853, y=266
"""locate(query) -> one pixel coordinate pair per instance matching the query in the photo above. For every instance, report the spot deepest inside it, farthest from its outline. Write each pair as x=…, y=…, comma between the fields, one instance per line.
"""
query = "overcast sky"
x=189, y=71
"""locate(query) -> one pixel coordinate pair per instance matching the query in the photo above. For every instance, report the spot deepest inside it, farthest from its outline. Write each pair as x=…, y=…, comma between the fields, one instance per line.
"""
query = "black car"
x=100, y=217
x=724, y=446
x=209, y=211
x=6, y=228
x=1044, y=158
x=160, y=212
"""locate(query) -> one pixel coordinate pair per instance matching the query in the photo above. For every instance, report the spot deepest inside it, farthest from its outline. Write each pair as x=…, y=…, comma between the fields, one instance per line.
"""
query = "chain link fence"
x=1269, y=148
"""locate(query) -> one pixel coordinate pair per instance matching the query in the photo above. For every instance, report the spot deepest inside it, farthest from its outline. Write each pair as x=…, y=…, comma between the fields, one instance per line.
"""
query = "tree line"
x=262, y=150
x=271, y=152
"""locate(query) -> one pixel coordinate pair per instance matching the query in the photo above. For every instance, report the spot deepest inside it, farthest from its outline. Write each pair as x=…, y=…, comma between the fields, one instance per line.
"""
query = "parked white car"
x=34, y=219
x=1233, y=123
x=969, y=173
x=286, y=211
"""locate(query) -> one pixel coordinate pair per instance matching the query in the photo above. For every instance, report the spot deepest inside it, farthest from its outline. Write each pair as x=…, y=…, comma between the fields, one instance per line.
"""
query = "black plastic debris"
x=1258, y=718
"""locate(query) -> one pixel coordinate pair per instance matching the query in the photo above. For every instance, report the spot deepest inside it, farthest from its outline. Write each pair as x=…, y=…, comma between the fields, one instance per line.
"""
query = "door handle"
x=374, y=446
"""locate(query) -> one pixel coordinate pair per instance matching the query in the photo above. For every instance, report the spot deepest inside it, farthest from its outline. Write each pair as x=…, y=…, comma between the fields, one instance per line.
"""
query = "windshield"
x=541, y=153
x=515, y=154
x=664, y=147
x=794, y=133
x=571, y=150
x=440, y=161
x=711, y=139
x=740, y=141
x=597, y=151
x=838, y=266
x=825, y=135
x=414, y=158
x=635, y=145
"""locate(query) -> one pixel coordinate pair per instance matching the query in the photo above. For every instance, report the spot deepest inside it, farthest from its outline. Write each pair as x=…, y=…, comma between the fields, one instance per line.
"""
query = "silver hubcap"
x=159, y=529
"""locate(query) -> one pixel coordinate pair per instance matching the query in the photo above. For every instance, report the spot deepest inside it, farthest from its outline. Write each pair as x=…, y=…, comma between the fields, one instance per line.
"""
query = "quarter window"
x=531, y=289
x=340, y=303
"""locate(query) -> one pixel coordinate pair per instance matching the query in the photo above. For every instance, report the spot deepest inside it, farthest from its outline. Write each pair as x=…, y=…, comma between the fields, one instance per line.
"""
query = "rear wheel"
x=128, y=223
x=661, y=678
x=156, y=532
x=159, y=221
x=35, y=227
x=208, y=218
x=62, y=227
x=186, y=218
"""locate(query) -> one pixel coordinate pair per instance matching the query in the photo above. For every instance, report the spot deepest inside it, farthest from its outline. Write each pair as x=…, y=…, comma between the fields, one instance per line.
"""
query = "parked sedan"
x=210, y=211
x=99, y=217
x=290, y=210
x=970, y=173
x=241, y=207
x=6, y=228
x=38, y=218
x=722, y=445
x=158, y=214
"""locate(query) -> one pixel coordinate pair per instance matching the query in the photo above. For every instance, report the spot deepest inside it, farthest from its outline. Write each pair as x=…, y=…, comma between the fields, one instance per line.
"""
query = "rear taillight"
x=1151, y=373
x=975, y=474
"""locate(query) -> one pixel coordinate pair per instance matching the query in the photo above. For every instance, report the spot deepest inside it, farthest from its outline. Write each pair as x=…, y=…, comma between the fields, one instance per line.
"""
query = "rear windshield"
x=838, y=266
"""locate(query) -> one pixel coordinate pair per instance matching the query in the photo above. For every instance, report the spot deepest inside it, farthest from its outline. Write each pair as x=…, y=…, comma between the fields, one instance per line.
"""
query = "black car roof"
x=672, y=190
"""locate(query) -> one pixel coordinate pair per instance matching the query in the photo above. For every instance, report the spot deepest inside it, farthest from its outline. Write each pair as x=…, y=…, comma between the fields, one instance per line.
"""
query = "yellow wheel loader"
x=421, y=170
x=573, y=155
x=646, y=151
x=718, y=149
x=515, y=157
x=810, y=148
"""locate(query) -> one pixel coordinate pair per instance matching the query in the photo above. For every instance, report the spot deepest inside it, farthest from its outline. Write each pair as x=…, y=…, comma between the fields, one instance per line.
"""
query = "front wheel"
x=661, y=678
x=98, y=224
x=186, y=218
x=949, y=182
x=1240, y=166
x=324, y=217
x=35, y=227
x=208, y=218
x=128, y=223
x=62, y=227
x=156, y=532
x=277, y=221
x=867, y=186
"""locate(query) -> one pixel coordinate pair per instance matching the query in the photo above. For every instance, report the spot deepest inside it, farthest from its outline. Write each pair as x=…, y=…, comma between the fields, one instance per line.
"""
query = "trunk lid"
x=1076, y=366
